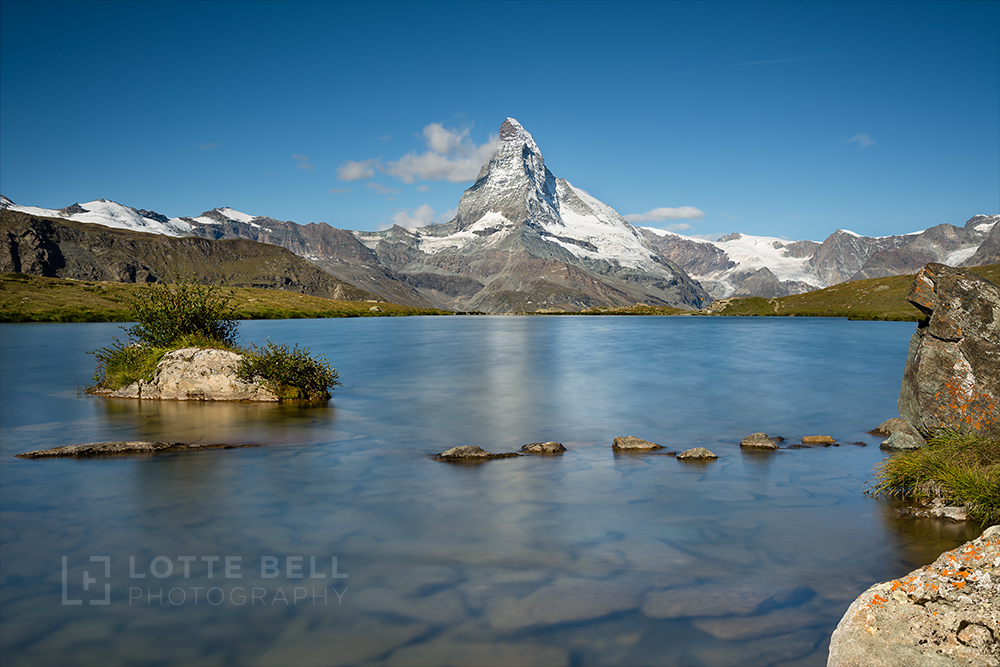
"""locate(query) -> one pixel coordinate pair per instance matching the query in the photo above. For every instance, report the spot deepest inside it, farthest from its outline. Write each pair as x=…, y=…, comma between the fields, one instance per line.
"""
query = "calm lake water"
x=341, y=542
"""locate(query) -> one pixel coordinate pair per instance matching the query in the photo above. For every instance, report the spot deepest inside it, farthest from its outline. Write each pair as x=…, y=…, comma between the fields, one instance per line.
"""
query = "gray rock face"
x=543, y=448
x=947, y=613
x=758, y=441
x=197, y=374
x=630, y=443
x=696, y=453
x=951, y=377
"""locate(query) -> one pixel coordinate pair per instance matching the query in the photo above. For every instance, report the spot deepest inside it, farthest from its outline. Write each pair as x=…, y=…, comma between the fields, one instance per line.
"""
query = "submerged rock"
x=758, y=441
x=946, y=613
x=470, y=453
x=951, y=377
x=120, y=448
x=543, y=448
x=705, y=601
x=630, y=443
x=824, y=440
x=696, y=453
x=949, y=512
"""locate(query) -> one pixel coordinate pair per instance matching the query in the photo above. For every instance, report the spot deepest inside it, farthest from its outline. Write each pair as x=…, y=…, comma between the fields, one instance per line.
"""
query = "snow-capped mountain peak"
x=222, y=215
x=517, y=208
x=512, y=131
x=110, y=214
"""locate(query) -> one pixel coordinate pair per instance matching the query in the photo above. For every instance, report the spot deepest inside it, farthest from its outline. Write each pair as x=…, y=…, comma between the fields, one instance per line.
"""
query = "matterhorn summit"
x=523, y=240
x=514, y=183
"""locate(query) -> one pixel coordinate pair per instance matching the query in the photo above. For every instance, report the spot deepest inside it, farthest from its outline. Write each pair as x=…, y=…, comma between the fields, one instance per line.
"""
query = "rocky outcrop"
x=825, y=440
x=470, y=454
x=758, y=441
x=633, y=444
x=119, y=448
x=196, y=374
x=947, y=613
x=951, y=377
x=696, y=454
x=543, y=448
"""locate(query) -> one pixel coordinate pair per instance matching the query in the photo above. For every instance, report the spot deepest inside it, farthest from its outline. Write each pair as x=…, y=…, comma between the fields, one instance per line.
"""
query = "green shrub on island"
x=167, y=313
x=962, y=468
x=288, y=373
x=184, y=314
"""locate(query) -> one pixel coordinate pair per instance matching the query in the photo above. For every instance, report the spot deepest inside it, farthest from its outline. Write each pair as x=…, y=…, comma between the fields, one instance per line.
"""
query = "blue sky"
x=787, y=119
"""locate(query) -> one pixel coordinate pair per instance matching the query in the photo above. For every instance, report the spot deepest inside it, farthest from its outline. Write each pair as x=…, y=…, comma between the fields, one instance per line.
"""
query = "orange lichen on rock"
x=921, y=617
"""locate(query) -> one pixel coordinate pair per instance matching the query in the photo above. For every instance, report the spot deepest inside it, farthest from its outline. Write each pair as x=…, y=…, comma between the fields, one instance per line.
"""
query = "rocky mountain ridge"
x=56, y=247
x=525, y=240
x=743, y=265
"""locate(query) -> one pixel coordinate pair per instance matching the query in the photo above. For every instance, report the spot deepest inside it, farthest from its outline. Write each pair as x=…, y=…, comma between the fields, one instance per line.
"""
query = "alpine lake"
x=340, y=541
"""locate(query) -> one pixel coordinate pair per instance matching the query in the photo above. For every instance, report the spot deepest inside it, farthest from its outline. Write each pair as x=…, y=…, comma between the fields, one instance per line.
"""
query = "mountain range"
x=523, y=240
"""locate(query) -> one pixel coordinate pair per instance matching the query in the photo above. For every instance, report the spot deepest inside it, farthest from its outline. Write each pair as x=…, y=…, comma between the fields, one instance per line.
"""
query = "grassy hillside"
x=25, y=298
x=871, y=299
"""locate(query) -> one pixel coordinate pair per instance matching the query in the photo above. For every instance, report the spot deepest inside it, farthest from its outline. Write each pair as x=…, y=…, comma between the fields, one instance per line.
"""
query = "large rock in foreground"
x=947, y=613
x=952, y=375
x=197, y=374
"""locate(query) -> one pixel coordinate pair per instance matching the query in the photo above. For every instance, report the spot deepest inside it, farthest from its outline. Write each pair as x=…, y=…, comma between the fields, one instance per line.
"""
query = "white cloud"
x=303, y=162
x=665, y=213
x=355, y=171
x=419, y=217
x=383, y=190
x=452, y=156
x=862, y=140
x=448, y=215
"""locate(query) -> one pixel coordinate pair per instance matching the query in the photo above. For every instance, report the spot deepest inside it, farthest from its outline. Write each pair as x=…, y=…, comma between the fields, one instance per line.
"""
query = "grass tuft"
x=960, y=467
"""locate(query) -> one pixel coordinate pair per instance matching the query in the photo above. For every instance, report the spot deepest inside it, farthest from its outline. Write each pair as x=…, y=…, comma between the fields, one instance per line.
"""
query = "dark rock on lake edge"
x=122, y=448
x=631, y=443
x=471, y=454
x=543, y=448
x=696, y=454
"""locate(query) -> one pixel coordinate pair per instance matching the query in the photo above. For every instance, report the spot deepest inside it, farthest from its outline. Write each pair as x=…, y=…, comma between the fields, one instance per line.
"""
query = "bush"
x=166, y=313
x=289, y=373
x=120, y=364
x=962, y=467
x=184, y=314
